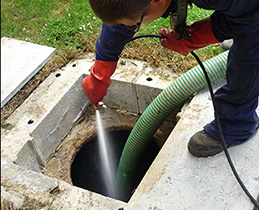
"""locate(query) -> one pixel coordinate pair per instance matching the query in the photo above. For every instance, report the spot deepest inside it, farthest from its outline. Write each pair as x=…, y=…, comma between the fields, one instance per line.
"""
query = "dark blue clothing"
x=112, y=41
x=238, y=99
x=113, y=38
x=232, y=18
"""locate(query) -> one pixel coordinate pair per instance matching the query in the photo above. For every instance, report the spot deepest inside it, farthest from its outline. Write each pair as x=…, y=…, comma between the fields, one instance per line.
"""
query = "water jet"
x=37, y=156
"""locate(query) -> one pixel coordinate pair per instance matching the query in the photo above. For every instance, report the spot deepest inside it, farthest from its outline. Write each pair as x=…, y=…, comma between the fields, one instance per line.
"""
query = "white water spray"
x=107, y=163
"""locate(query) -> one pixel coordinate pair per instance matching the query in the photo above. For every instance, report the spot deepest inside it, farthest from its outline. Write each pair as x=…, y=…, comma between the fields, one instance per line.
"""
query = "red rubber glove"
x=97, y=82
x=201, y=36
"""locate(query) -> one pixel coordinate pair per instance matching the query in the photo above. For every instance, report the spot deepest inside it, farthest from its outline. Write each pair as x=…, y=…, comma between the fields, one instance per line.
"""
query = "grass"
x=195, y=13
x=72, y=28
x=59, y=24
x=255, y=208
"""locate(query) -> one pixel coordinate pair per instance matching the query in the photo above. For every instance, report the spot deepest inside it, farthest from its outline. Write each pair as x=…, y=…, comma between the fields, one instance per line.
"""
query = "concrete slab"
x=177, y=180
x=134, y=87
x=148, y=87
x=36, y=128
x=122, y=93
x=20, y=61
x=24, y=189
x=45, y=117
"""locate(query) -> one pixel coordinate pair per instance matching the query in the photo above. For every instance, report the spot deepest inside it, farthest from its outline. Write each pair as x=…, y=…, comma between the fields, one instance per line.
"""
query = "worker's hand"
x=96, y=84
x=201, y=36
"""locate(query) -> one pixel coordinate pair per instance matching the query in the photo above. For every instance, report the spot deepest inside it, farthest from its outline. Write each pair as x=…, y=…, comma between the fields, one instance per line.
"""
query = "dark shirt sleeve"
x=113, y=38
x=232, y=18
x=112, y=41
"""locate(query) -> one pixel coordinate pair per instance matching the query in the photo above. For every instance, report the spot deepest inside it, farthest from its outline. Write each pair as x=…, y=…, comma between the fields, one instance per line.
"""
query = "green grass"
x=194, y=14
x=55, y=23
x=66, y=25
x=60, y=24
x=255, y=208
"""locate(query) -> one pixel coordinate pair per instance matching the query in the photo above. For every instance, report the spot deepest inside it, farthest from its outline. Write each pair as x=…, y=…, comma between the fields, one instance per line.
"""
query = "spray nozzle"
x=99, y=105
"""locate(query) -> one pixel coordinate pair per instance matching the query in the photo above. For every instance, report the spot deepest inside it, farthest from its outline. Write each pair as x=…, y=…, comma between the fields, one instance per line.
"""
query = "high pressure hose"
x=160, y=108
x=219, y=128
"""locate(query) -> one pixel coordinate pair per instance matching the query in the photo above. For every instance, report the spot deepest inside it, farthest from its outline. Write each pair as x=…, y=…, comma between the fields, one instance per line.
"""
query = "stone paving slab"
x=177, y=180
x=24, y=189
x=45, y=117
x=20, y=61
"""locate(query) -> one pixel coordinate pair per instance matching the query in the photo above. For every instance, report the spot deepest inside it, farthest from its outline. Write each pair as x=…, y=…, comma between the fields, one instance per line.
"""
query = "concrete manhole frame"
x=40, y=124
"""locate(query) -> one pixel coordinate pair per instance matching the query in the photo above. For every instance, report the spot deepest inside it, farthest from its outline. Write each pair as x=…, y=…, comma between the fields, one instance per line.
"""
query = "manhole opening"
x=86, y=171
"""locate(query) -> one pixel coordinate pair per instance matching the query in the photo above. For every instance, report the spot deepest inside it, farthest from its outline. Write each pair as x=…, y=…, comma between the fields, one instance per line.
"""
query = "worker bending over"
x=236, y=101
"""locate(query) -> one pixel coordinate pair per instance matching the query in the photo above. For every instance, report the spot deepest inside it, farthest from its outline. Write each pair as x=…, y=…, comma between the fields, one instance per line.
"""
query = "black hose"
x=216, y=117
x=146, y=36
x=221, y=133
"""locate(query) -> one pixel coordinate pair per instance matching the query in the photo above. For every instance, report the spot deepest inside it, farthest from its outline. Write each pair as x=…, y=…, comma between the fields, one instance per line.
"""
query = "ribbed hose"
x=154, y=115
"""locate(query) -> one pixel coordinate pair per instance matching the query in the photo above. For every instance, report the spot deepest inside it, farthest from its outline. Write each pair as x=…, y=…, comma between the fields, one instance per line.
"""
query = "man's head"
x=128, y=12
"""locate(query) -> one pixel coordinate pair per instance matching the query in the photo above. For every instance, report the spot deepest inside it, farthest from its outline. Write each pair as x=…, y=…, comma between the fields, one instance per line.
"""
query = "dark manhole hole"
x=86, y=171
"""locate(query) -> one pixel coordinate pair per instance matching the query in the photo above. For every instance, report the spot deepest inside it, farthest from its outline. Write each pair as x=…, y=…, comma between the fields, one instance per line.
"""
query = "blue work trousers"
x=238, y=99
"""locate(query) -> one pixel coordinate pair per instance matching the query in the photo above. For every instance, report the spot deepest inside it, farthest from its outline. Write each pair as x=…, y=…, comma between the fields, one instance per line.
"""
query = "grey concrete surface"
x=147, y=88
x=175, y=180
x=59, y=119
x=20, y=61
x=37, y=127
x=24, y=189
x=48, y=114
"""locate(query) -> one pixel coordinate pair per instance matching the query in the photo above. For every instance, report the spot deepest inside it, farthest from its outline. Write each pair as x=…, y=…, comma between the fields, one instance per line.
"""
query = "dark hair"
x=110, y=11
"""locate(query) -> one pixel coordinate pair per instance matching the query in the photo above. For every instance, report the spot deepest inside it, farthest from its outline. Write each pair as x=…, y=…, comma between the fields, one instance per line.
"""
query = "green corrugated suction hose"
x=175, y=94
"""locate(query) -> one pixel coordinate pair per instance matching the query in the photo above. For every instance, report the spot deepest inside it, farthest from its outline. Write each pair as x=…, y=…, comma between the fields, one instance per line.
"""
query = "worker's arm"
x=231, y=19
x=201, y=36
x=108, y=48
x=111, y=42
x=98, y=81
